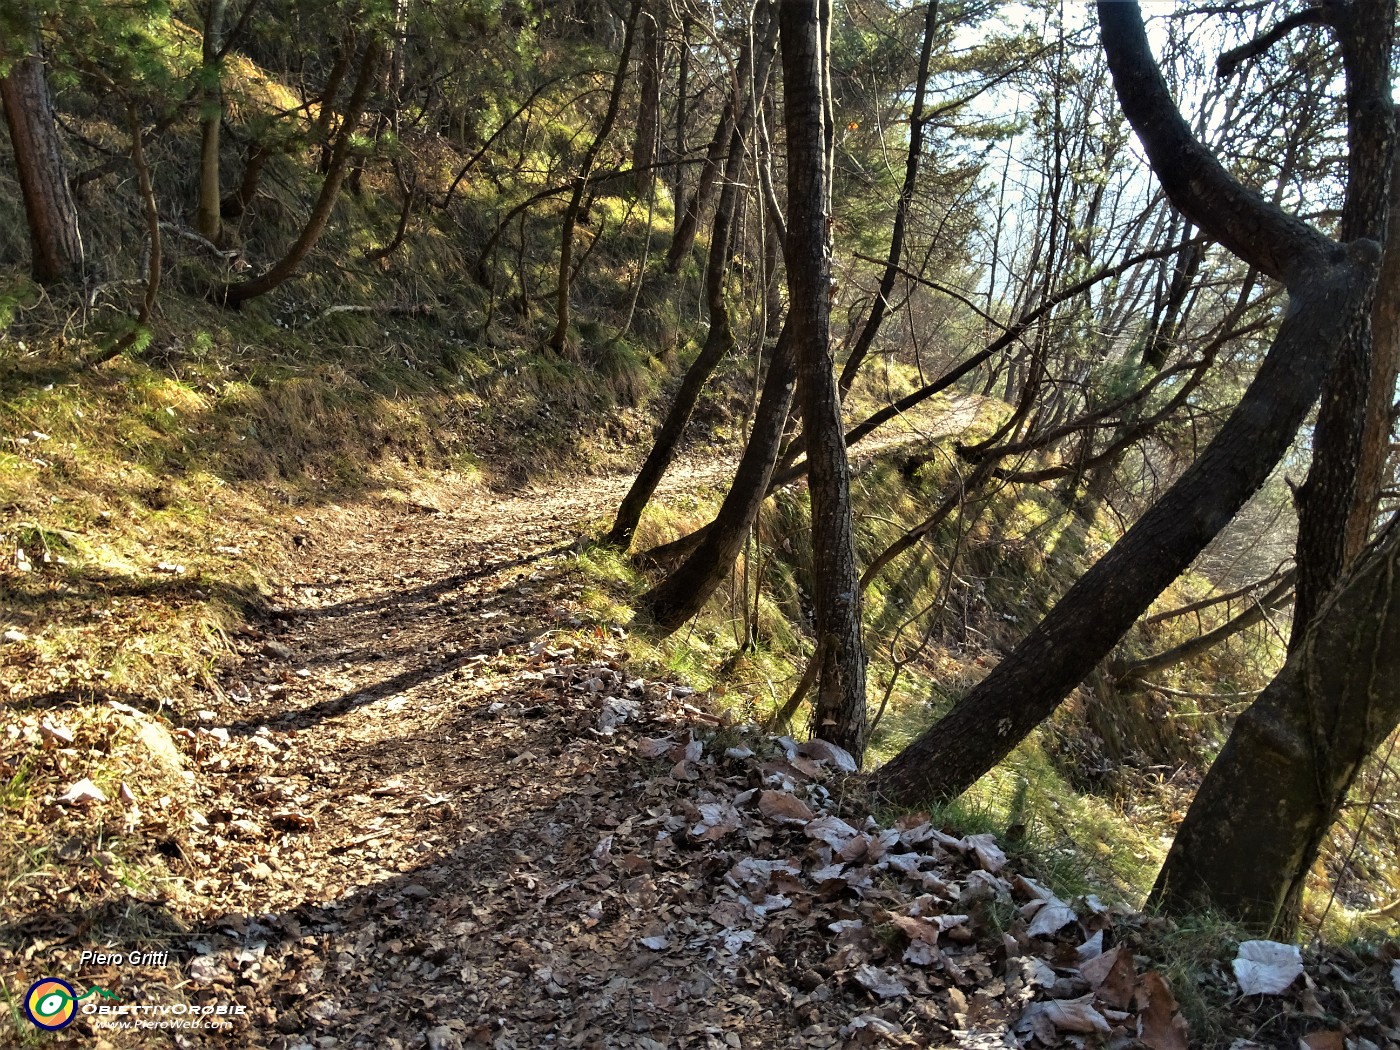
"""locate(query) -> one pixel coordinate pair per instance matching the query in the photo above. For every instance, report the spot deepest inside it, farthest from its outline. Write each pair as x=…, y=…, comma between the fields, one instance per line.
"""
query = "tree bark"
x=678, y=145
x=1255, y=826
x=839, y=714
x=688, y=224
x=236, y=294
x=649, y=105
x=56, y=247
x=559, y=341
x=1329, y=499
x=1328, y=284
x=719, y=339
x=685, y=591
x=208, y=213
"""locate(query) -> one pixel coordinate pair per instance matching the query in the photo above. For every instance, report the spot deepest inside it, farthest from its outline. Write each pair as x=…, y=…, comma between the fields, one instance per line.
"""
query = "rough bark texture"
x=1385, y=342
x=236, y=294
x=1329, y=499
x=649, y=105
x=839, y=709
x=1329, y=285
x=1281, y=778
x=56, y=248
x=684, y=592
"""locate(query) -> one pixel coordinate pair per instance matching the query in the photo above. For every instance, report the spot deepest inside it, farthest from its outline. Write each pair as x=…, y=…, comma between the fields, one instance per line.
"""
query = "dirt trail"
x=406, y=776
x=435, y=812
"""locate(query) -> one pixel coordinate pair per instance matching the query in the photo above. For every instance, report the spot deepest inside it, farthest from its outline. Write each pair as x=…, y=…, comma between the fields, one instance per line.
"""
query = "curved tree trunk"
x=237, y=294
x=688, y=221
x=1329, y=287
x=1255, y=826
x=719, y=340
x=558, y=342
x=839, y=714
x=56, y=247
x=685, y=591
x=901, y=212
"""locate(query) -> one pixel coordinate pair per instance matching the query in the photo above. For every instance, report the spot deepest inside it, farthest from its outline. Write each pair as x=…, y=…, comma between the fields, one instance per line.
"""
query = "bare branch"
x=1231, y=60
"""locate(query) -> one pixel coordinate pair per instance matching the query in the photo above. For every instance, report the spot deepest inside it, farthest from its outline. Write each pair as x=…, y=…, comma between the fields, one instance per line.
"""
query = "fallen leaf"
x=1267, y=967
x=656, y=943
x=1052, y=917
x=989, y=855
x=823, y=751
x=1323, y=1041
x=880, y=982
x=1067, y=1015
x=834, y=831
x=1112, y=977
x=1160, y=1024
x=81, y=793
x=784, y=807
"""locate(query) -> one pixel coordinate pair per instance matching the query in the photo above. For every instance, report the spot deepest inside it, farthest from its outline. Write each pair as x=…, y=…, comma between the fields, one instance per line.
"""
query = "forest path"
x=413, y=786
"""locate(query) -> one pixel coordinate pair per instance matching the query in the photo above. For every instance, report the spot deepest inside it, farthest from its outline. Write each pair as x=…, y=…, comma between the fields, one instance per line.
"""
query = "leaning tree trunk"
x=236, y=295
x=685, y=591
x=688, y=220
x=719, y=339
x=839, y=714
x=1257, y=822
x=1329, y=286
x=56, y=248
x=913, y=157
x=559, y=341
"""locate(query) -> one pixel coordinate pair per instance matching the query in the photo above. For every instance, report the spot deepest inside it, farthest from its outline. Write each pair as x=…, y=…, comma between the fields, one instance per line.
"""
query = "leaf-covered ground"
x=431, y=809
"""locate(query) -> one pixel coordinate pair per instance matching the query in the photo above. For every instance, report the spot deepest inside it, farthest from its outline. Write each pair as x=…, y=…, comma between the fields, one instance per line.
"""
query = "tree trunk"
x=719, y=340
x=649, y=106
x=1328, y=284
x=559, y=341
x=236, y=294
x=208, y=213
x=56, y=248
x=236, y=203
x=901, y=213
x=678, y=146
x=1328, y=500
x=1385, y=341
x=1254, y=828
x=840, y=701
x=684, y=592
x=688, y=224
